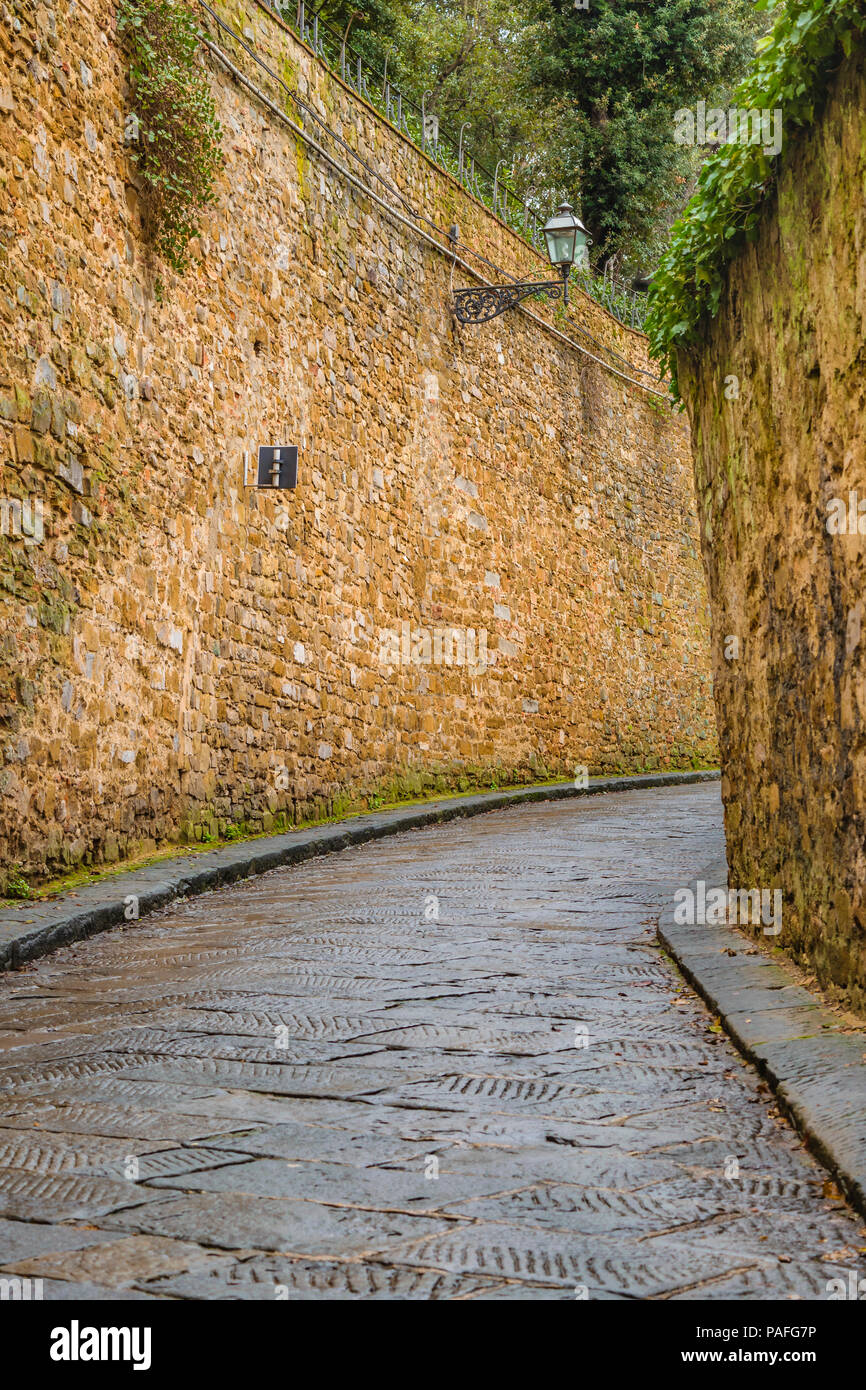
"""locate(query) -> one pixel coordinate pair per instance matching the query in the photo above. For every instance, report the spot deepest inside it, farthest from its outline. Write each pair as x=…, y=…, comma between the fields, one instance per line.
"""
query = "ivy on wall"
x=173, y=128
x=790, y=73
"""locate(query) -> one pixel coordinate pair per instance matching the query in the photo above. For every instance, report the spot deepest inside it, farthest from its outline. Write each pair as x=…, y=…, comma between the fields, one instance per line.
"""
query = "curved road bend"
x=448, y=1064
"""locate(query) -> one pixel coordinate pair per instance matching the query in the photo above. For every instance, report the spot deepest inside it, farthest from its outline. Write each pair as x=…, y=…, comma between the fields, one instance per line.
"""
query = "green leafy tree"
x=610, y=78
x=579, y=102
x=793, y=68
x=472, y=57
x=468, y=56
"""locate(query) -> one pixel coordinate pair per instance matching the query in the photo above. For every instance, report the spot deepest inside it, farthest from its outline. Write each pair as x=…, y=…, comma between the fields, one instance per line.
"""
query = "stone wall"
x=179, y=653
x=776, y=399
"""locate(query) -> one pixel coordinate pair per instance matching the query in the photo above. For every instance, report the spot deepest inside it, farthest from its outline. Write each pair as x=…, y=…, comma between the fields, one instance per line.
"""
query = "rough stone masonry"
x=776, y=399
x=180, y=653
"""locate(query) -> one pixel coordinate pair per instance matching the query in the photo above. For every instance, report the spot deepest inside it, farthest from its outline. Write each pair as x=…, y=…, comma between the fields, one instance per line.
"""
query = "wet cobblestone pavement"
x=451, y=1064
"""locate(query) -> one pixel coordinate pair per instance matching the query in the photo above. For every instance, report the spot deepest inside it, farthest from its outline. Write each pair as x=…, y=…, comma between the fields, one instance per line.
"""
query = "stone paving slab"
x=70, y=1291
x=237, y=1220
x=267, y=1277
x=304, y=1143
x=386, y=1189
x=567, y=1258
x=128, y=1259
x=27, y=1196
x=22, y=1240
x=37, y=928
x=817, y=1070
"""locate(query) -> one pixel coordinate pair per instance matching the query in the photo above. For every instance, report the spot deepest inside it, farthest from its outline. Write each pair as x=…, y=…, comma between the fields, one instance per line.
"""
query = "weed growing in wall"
x=172, y=128
x=16, y=884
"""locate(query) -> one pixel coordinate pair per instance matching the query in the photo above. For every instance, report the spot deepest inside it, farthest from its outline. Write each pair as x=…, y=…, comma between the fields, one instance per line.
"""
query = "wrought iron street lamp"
x=567, y=240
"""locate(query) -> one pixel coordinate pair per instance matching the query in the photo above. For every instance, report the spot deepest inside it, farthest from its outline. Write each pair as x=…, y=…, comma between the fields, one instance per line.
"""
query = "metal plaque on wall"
x=278, y=465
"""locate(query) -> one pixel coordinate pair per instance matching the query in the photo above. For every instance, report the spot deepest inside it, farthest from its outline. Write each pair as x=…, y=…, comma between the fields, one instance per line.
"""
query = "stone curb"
x=36, y=929
x=816, y=1070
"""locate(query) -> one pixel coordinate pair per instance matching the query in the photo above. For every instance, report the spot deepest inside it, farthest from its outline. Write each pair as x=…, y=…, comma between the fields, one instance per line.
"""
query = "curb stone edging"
x=102, y=905
x=815, y=1070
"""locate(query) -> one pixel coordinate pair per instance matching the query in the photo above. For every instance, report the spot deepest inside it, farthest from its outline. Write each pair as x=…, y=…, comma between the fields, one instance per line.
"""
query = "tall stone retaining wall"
x=179, y=652
x=777, y=400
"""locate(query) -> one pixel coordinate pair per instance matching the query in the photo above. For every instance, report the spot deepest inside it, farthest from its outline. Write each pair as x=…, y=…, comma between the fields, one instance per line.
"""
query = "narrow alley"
x=453, y=1064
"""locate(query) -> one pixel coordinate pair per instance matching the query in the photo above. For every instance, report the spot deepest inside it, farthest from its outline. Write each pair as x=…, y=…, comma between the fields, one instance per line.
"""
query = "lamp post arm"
x=489, y=301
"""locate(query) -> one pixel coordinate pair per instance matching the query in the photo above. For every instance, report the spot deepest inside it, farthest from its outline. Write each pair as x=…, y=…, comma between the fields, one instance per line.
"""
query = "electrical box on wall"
x=278, y=466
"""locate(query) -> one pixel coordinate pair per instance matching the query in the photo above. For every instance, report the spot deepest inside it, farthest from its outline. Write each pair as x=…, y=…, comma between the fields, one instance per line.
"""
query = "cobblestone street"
x=451, y=1064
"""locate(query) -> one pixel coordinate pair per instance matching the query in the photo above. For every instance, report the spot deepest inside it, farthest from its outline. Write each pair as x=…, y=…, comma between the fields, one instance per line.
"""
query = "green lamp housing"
x=567, y=239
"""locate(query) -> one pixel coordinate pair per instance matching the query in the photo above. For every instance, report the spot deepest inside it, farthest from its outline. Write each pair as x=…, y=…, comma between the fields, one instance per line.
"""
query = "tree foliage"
x=470, y=56
x=580, y=102
x=807, y=41
x=612, y=76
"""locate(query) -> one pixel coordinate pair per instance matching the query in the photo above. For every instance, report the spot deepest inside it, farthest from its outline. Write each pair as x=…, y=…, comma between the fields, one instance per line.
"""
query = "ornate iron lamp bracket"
x=488, y=302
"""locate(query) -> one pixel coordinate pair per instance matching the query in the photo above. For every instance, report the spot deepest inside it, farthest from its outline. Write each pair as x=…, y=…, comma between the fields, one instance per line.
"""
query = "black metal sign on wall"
x=278, y=466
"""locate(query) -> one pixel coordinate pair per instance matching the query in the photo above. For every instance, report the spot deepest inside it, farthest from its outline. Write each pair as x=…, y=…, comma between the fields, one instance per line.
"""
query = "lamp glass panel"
x=560, y=245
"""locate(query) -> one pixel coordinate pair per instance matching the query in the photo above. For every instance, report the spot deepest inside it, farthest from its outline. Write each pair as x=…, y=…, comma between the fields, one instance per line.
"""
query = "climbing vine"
x=808, y=38
x=172, y=128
